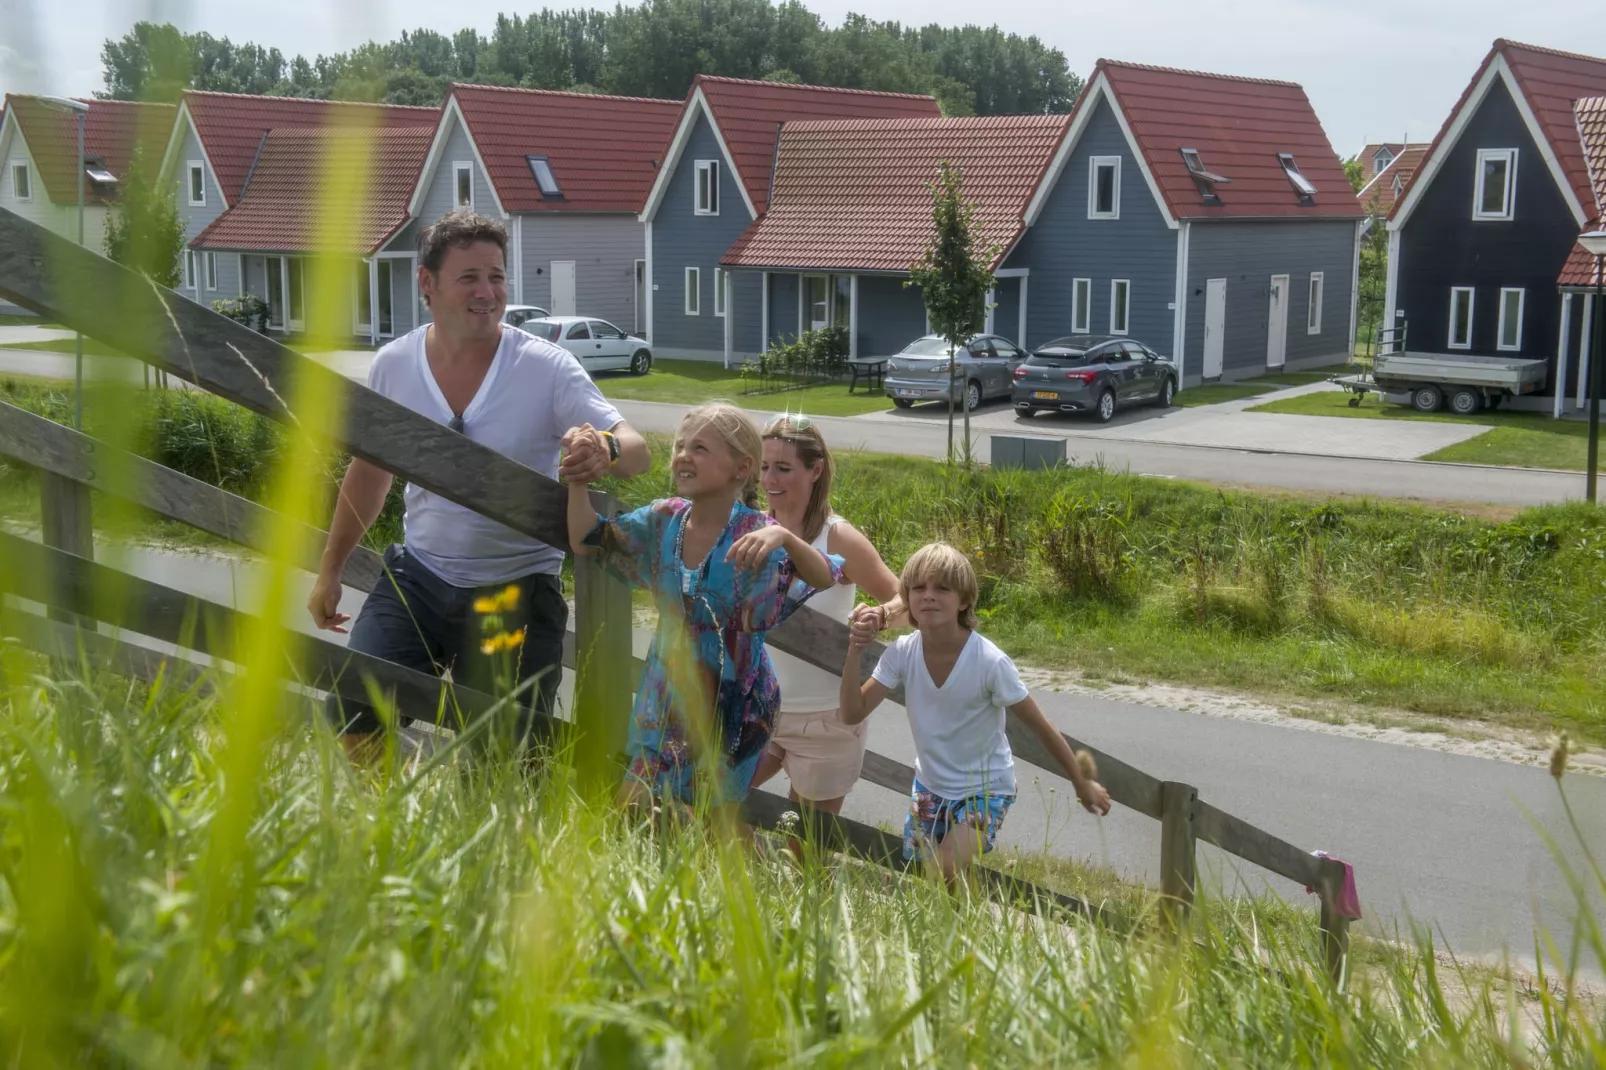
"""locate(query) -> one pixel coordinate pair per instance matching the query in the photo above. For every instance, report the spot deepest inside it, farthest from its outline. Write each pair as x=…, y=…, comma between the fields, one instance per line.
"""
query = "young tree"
x=143, y=230
x=954, y=277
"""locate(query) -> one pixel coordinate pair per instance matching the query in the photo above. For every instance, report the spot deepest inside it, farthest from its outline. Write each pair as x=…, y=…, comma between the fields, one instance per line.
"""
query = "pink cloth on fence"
x=1349, y=903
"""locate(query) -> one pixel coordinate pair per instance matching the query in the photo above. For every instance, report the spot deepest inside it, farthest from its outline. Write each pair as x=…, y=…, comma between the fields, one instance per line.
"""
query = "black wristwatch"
x=613, y=446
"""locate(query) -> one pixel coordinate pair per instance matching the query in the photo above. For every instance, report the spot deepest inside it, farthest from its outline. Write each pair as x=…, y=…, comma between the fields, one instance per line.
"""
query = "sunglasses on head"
x=456, y=422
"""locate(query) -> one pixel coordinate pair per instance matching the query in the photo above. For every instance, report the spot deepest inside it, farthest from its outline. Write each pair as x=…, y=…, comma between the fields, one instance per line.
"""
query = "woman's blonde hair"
x=804, y=436
x=738, y=434
x=940, y=562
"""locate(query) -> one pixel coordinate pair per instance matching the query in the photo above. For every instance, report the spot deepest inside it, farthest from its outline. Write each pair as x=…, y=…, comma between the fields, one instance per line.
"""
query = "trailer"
x=1463, y=383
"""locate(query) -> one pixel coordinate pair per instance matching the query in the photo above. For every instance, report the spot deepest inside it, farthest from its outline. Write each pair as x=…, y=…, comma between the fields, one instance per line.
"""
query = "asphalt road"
x=1453, y=842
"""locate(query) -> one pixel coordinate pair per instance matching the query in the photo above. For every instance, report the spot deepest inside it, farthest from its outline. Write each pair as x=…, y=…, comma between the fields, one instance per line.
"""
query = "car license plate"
x=908, y=393
x=1048, y=394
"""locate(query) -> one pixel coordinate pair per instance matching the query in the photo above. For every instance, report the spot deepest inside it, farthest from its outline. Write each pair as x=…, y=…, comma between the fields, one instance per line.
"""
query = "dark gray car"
x=920, y=372
x=1092, y=373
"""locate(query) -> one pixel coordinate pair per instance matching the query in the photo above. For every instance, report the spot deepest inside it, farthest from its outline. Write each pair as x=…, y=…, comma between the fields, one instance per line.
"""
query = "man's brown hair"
x=460, y=229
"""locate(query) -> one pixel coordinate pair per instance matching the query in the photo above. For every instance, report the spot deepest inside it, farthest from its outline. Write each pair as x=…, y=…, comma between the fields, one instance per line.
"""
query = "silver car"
x=597, y=344
x=986, y=369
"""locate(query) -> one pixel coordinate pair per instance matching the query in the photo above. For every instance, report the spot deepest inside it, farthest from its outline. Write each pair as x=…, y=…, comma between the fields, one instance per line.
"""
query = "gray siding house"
x=567, y=173
x=713, y=185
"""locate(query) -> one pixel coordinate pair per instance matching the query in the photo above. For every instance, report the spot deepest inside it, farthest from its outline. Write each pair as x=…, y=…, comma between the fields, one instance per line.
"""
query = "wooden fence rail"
x=228, y=359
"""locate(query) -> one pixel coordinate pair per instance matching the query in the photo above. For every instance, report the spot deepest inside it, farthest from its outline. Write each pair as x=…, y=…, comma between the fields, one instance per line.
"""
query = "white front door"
x=1277, y=323
x=562, y=288
x=1215, y=327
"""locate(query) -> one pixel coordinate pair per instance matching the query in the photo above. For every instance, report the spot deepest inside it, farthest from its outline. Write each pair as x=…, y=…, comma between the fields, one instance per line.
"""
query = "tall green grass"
x=458, y=915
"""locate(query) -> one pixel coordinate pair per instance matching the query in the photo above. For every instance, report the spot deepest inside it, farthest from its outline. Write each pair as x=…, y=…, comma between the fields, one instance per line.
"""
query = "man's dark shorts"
x=416, y=619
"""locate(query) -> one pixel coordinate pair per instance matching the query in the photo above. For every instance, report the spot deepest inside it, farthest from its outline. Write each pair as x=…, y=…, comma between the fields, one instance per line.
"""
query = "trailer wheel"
x=1466, y=402
x=1427, y=398
x=1355, y=402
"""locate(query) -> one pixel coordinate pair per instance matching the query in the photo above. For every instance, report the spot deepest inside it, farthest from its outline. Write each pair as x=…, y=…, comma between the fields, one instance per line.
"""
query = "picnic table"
x=869, y=369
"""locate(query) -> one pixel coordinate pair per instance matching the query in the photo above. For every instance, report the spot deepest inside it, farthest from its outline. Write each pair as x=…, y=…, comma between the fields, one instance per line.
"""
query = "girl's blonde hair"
x=940, y=562
x=738, y=434
x=804, y=436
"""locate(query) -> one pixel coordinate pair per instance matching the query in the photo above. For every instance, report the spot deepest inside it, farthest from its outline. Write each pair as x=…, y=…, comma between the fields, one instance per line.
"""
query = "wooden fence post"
x=604, y=680
x=1334, y=926
x=67, y=524
x=1178, y=849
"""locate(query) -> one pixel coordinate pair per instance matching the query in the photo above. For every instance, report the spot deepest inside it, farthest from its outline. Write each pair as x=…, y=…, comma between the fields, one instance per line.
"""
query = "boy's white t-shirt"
x=960, y=745
x=532, y=393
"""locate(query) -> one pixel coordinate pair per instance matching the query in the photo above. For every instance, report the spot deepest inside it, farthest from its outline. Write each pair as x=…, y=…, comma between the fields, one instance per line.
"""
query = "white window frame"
x=192, y=169
x=1126, y=327
x=1315, y=291
x=1081, y=306
x=692, y=299
x=1500, y=335
x=699, y=206
x=1510, y=156
x=720, y=276
x=189, y=269
x=460, y=167
x=209, y=264
x=1472, y=304
x=1093, y=165
x=14, y=167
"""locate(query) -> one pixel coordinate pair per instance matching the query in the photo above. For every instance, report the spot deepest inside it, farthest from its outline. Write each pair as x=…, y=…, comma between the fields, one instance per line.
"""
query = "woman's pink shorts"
x=821, y=755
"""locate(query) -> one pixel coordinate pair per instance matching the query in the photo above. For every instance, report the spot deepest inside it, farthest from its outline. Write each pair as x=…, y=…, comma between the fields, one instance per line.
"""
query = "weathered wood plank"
x=1238, y=837
x=74, y=645
x=606, y=675
x=62, y=452
x=88, y=293
x=1178, y=849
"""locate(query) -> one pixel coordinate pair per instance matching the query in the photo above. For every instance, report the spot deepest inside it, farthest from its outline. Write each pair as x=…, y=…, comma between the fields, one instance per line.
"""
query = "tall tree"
x=143, y=229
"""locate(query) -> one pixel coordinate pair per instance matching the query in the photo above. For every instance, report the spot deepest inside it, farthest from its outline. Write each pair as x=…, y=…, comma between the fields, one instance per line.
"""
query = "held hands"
x=585, y=455
x=324, y=604
x=865, y=623
x=752, y=550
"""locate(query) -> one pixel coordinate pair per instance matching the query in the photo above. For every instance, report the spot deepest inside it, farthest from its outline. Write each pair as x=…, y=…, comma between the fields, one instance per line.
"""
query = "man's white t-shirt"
x=532, y=393
x=960, y=746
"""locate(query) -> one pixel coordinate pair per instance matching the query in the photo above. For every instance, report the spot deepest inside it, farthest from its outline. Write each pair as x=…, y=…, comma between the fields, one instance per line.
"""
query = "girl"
x=721, y=574
x=822, y=756
x=957, y=687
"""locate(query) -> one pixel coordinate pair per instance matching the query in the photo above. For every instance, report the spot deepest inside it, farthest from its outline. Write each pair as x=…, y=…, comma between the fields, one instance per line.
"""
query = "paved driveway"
x=31, y=335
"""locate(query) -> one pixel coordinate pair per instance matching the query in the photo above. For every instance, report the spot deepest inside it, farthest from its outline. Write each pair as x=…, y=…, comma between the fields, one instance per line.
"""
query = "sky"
x=1374, y=71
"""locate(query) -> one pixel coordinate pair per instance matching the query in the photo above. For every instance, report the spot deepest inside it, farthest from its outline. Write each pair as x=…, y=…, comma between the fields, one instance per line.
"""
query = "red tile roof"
x=604, y=151
x=111, y=130
x=1550, y=81
x=1377, y=196
x=1239, y=126
x=279, y=209
x=1590, y=119
x=851, y=195
x=231, y=125
x=749, y=114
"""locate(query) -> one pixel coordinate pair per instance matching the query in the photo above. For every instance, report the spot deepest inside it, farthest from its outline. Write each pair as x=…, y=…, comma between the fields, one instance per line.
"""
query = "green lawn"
x=688, y=382
x=25, y=321
x=1215, y=393
x=1303, y=378
x=1518, y=439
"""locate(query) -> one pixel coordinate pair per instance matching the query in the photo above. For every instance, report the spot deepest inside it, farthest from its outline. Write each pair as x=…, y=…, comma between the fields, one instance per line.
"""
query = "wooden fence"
x=190, y=341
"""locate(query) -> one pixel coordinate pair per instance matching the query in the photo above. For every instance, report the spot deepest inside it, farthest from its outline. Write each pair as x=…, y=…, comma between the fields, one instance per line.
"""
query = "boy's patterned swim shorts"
x=931, y=817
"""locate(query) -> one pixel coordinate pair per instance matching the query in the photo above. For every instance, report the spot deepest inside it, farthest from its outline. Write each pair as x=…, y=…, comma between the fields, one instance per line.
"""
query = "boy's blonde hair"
x=738, y=434
x=940, y=562
x=804, y=436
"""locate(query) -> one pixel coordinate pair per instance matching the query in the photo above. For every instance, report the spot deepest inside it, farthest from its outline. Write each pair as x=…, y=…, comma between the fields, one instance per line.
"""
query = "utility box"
x=1026, y=451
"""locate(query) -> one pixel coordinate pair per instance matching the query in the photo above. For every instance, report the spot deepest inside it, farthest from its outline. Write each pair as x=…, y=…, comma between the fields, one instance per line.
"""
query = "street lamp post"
x=80, y=111
x=1594, y=244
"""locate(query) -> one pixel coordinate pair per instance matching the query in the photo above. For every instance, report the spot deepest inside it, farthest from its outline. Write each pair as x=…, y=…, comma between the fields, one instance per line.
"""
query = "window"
x=719, y=291
x=21, y=186
x=579, y=330
x=197, y=184
x=1460, y=317
x=1104, y=187
x=293, y=268
x=1301, y=184
x=1398, y=187
x=96, y=172
x=602, y=329
x=463, y=184
x=273, y=266
x=842, y=301
x=1510, y=334
x=818, y=296
x=1120, y=305
x=1207, y=181
x=707, y=187
x=1313, y=309
x=211, y=270
x=1081, y=306
x=1496, y=182
x=189, y=269
x=360, y=292
x=1383, y=158
x=541, y=168
x=694, y=283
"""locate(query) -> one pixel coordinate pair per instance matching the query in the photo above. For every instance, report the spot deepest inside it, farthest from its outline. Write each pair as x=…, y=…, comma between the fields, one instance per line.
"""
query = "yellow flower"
x=508, y=600
x=485, y=606
x=503, y=641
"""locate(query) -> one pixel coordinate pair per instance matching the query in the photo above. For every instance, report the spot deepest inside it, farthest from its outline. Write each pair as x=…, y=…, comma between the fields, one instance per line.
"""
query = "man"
x=505, y=389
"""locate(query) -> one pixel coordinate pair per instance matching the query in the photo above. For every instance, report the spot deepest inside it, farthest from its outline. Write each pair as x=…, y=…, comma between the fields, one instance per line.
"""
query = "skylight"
x=1302, y=186
x=98, y=174
x=541, y=168
x=1207, y=181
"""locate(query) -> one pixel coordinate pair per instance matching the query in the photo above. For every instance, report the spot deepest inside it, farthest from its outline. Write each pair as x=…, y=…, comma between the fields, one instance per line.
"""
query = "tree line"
x=653, y=49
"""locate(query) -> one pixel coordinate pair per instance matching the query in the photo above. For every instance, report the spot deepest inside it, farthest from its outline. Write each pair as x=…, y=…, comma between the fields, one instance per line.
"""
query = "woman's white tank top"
x=804, y=688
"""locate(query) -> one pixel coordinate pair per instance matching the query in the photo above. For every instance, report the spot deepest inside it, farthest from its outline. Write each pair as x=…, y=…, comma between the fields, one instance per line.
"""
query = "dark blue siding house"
x=1481, y=234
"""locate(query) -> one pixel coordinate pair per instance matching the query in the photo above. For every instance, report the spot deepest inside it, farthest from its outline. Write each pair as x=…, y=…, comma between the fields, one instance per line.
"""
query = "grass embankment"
x=689, y=382
x=1370, y=604
x=157, y=911
x=1517, y=439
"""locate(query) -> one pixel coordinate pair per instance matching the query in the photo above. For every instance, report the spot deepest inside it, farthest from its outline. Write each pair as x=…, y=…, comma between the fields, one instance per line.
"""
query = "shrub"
x=813, y=356
x=1084, y=544
x=249, y=310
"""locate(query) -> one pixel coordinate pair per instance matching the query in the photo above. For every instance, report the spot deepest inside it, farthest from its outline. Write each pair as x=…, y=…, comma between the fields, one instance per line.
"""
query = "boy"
x=957, y=687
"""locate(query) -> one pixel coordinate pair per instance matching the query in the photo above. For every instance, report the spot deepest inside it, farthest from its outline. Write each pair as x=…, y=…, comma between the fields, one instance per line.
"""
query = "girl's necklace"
x=689, y=577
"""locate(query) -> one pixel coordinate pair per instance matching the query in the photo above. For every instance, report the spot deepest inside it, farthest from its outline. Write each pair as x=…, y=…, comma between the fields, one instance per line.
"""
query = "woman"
x=821, y=755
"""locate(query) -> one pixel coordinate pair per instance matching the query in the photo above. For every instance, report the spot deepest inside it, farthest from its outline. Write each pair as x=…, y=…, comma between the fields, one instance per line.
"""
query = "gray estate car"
x=1092, y=373
x=920, y=372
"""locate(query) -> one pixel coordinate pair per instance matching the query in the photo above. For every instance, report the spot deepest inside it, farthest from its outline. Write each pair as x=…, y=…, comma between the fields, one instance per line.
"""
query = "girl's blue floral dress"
x=708, y=649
